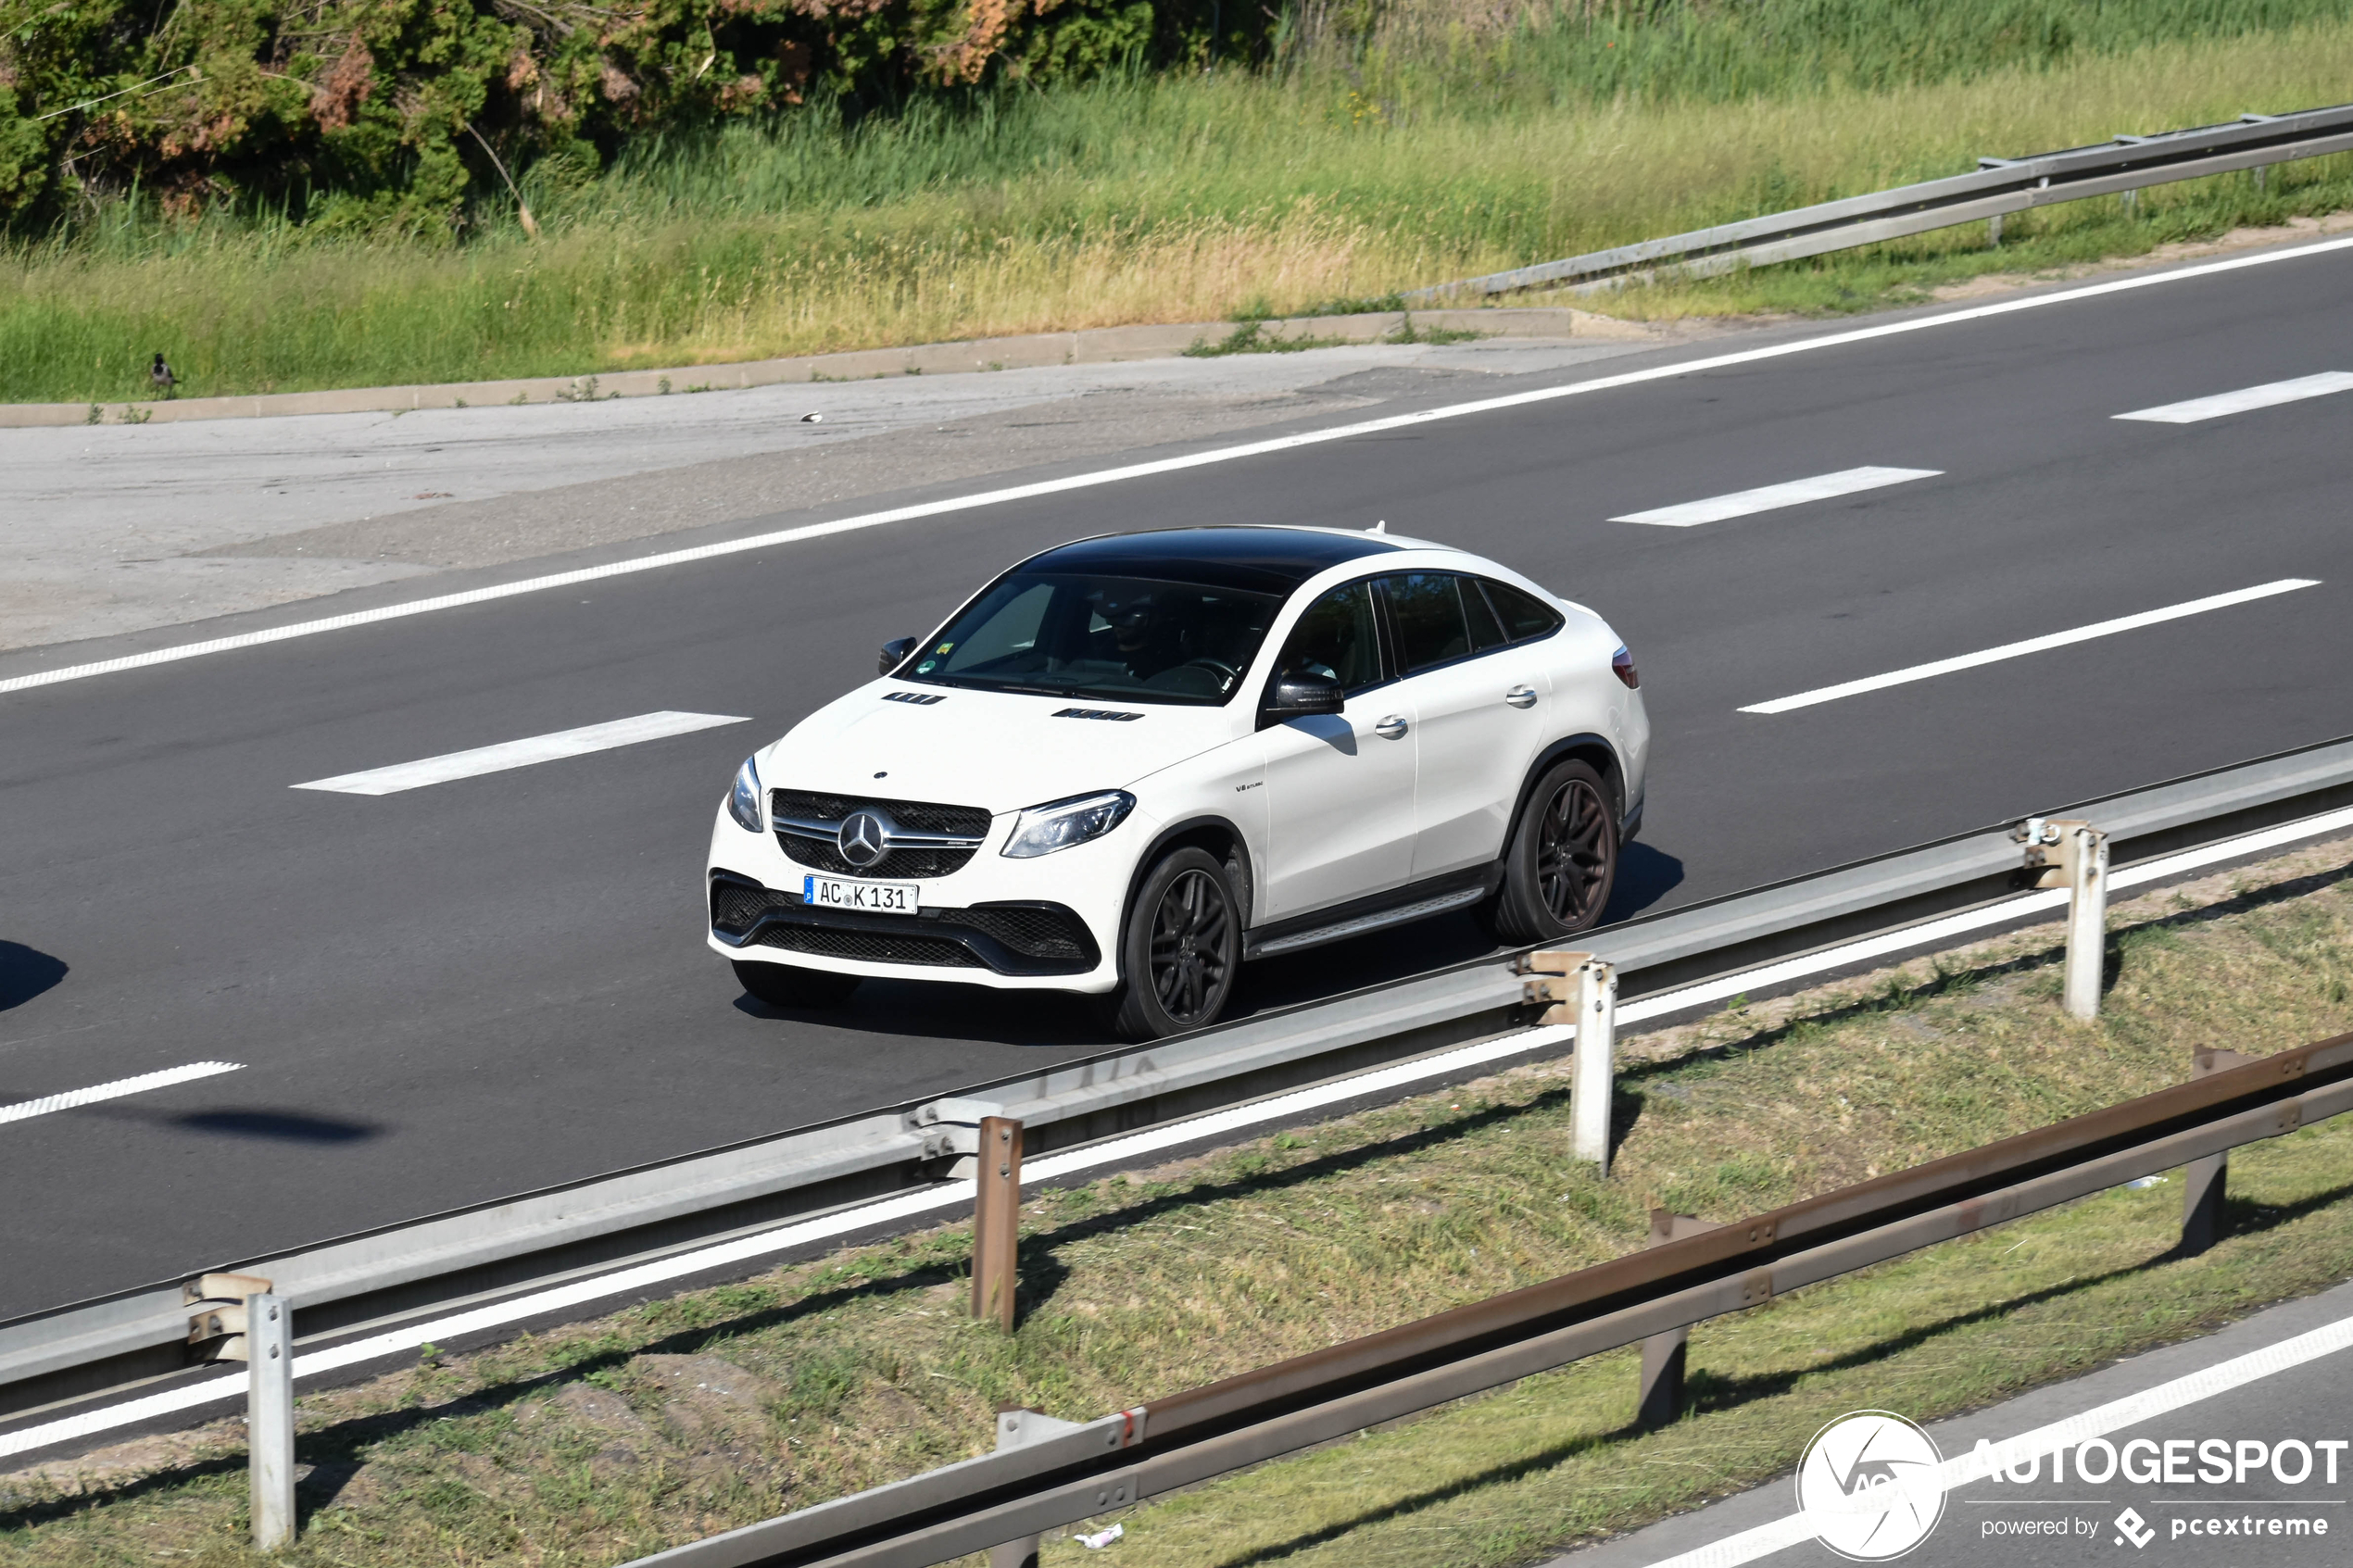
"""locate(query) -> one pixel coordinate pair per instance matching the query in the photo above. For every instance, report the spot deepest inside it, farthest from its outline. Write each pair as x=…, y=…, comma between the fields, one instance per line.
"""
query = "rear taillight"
x=1622, y=664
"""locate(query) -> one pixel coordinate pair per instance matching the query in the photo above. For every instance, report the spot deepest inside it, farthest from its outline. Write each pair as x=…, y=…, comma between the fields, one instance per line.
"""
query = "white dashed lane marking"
x=522, y=753
x=2032, y=644
x=2269, y=395
x=1772, y=498
x=666, y=559
x=26, y=1109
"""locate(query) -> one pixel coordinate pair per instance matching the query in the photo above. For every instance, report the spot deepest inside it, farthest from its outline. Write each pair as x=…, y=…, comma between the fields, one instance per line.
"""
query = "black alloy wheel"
x=1182, y=947
x=791, y=986
x=1576, y=852
x=1561, y=862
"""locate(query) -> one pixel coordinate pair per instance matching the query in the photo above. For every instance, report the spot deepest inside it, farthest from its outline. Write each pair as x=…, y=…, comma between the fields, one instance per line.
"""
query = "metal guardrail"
x=1683, y=1278
x=2000, y=186
x=61, y=1361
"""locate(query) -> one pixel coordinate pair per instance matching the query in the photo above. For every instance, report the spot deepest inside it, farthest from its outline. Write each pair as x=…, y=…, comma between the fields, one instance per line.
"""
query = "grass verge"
x=1185, y=199
x=686, y=1416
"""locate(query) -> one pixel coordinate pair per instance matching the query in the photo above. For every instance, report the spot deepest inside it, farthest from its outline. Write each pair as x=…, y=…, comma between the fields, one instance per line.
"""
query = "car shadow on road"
x=1058, y=1020
x=26, y=973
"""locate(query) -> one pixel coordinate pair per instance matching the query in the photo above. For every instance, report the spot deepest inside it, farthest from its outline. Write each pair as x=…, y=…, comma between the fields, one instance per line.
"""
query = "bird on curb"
x=161, y=378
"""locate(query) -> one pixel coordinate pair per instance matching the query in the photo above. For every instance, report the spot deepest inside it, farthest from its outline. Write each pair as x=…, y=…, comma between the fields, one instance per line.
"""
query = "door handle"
x=1521, y=696
x=1391, y=728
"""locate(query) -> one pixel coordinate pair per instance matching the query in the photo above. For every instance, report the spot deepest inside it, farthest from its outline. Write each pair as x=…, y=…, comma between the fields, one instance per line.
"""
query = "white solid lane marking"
x=1112, y=1155
x=2032, y=644
x=521, y=753
x=26, y=1109
x=2266, y=396
x=1139, y=471
x=1771, y=497
x=2115, y=1416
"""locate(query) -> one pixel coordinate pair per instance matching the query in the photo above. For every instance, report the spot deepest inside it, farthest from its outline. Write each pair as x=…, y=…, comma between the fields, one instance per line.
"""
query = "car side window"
x=1523, y=614
x=1337, y=637
x=1485, y=630
x=1426, y=613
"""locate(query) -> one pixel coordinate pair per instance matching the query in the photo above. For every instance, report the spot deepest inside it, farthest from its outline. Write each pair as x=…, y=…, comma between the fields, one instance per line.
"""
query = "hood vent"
x=921, y=699
x=1113, y=714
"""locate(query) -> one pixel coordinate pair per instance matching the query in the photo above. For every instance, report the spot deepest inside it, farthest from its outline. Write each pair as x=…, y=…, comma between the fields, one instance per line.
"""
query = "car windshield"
x=1129, y=639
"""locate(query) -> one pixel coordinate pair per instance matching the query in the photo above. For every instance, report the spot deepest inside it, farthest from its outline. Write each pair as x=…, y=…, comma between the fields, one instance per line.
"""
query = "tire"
x=1181, y=949
x=785, y=985
x=1561, y=860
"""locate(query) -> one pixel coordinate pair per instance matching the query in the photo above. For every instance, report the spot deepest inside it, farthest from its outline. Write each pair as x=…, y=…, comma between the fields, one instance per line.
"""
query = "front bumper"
x=1022, y=939
x=1050, y=922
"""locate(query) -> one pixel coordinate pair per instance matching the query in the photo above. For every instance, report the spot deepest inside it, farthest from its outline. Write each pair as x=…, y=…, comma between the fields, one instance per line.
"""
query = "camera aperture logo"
x=1869, y=1485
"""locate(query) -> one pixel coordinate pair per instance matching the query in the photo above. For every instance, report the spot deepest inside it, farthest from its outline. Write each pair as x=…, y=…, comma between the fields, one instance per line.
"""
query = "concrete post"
x=270, y=1419
x=996, y=1219
x=1594, y=998
x=2084, y=862
x=2206, y=1179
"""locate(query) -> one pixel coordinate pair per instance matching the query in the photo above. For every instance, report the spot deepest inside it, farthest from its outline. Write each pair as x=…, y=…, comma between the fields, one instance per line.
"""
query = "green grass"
x=1194, y=198
x=683, y=1417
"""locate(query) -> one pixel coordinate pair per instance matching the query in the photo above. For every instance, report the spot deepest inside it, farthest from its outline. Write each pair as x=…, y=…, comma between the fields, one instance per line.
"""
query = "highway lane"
x=447, y=995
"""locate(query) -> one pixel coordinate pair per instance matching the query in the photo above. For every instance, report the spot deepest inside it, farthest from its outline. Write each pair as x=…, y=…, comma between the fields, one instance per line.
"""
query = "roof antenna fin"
x=1380, y=527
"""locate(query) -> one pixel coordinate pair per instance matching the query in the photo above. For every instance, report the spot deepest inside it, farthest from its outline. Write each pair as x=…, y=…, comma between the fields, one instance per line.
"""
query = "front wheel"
x=788, y=985
x=1561, y=860
x=1181, y=949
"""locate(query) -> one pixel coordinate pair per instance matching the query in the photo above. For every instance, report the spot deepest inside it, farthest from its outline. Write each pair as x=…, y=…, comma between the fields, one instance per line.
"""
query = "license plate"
x=870, y=898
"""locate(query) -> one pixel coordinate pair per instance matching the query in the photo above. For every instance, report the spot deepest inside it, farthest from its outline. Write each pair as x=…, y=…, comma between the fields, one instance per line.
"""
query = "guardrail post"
x=270, y=1419
x=1661, y=1400
x=1596, y=1067
x=1994, y=230
x=1014, y=1429
x=996, y=1219
x=1584, y=989
x=2084, y=861
x=2069, y=853
x=2206, y=1179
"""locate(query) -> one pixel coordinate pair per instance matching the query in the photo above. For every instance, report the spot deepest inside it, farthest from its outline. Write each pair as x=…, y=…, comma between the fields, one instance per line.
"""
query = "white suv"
x=1133, y=763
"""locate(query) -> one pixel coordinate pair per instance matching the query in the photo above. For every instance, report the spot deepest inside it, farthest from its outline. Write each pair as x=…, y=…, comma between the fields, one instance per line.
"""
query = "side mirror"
x=895, y=652
x=1302, y=692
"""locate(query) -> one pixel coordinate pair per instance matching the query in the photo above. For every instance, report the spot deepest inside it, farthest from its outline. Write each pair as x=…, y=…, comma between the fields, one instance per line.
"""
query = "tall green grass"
x=1412, y=155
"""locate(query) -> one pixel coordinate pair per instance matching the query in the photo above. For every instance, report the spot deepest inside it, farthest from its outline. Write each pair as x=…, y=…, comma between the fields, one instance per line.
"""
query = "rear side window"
x=1485, y=632
x=1523, y=614
x=1425, y=613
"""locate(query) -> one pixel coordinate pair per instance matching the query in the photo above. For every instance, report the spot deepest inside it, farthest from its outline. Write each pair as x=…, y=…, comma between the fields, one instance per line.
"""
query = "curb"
x=1094, y=346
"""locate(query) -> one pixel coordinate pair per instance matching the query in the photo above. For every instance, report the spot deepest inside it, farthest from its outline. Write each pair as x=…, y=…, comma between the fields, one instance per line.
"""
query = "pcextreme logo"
x=1869, y=1488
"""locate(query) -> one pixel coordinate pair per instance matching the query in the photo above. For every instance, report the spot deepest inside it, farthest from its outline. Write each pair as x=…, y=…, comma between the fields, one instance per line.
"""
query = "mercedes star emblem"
x=863, y=838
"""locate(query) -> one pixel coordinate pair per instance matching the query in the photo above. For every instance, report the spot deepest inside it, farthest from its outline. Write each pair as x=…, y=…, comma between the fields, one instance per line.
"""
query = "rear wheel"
x=785, y=985
x=1561, y=860
x=1181, y=949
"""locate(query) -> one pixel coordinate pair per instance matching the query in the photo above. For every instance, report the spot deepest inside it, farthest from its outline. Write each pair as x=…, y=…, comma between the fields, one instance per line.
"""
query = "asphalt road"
x=489, y=986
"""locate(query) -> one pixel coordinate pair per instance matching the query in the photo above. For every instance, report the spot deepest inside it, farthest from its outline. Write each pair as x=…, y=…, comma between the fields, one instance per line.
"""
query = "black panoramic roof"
x=1264, y=560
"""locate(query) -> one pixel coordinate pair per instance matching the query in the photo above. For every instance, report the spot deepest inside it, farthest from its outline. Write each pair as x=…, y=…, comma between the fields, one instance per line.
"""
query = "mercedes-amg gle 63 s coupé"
x=1132, y=763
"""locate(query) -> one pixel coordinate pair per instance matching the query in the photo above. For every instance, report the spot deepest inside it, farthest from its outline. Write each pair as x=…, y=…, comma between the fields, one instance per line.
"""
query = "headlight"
x=1058, y=824
x=743, y=801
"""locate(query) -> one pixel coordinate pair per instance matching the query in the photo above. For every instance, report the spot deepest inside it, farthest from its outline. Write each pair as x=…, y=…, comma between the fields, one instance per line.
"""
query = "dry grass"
x=1182, y=200
x=612, y=1438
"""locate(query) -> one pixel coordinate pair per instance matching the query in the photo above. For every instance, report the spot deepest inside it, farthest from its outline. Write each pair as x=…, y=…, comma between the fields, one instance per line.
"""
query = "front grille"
x=824, y=855
x=923, y=816
x=875, y=947
x=916, y=816
x=1009, y=938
